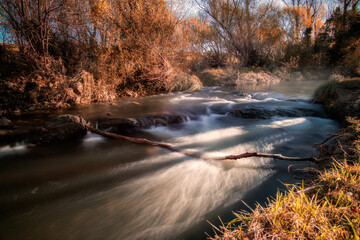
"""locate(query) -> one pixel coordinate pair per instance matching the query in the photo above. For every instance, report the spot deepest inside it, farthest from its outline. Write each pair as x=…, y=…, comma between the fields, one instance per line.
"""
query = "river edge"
x=37, y=94
x=26, y=96
x=13, y=127
x=326, y=204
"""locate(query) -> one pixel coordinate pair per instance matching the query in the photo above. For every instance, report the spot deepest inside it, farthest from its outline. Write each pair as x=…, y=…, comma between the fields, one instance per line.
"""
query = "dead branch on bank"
x=196, y=155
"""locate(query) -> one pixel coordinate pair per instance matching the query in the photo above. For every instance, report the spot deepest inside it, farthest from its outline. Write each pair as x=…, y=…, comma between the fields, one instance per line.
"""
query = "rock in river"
x=4, y=122
x=252, y=112
x=129, y=125
x=64, y=127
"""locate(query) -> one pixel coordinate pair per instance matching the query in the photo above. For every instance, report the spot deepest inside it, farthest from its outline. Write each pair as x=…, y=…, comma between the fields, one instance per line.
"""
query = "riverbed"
x=98, y=188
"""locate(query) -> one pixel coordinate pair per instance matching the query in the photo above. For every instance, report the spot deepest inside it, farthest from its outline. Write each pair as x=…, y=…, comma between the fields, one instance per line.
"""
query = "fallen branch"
x=327, y=139
x=196, y=155
x=264, y=155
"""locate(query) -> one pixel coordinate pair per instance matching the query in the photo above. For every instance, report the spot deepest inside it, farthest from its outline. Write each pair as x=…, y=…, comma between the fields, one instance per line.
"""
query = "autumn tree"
x=247, y=28
x=343, y=37
x=125, y=42
x=32, y=22
x=206, y=44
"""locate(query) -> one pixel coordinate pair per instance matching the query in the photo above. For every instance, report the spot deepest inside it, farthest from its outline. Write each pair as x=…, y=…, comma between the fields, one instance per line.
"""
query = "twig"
x=264, y=155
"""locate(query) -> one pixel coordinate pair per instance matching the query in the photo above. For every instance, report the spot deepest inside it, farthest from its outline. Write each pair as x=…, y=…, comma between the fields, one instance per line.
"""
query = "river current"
x=98, y=188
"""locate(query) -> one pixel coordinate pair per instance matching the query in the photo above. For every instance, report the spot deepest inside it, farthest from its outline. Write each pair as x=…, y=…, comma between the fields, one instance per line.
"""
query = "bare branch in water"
x=196, y=155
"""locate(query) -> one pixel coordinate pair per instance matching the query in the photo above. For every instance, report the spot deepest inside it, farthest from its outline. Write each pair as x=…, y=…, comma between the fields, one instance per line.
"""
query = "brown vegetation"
x=340, y=97
x=304, y=35
x=62, y=52
x=73, y=51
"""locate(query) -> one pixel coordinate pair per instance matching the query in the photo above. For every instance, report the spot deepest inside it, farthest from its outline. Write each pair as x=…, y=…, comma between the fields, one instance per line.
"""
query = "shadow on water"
x=68, y=179
x=268, y=190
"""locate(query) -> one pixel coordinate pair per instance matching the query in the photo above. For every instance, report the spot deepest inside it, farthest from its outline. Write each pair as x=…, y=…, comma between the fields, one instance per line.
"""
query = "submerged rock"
x=4, y=122
x=264, y=113
x=129, y=125
x=64, y=127
x=71, y=127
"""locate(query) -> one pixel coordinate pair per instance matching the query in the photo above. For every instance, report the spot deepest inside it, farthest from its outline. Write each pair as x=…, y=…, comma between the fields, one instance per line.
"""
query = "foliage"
x=143, y=45
x=304, y=34
x=248, y=32
x=122, y=44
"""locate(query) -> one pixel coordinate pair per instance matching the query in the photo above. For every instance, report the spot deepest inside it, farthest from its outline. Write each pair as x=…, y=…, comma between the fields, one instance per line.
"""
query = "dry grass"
x=341, y=98
x=183, y=82
x=325, y=208
x=327, y=92
x=236, y=77
x=334, y=89
x=212, y=76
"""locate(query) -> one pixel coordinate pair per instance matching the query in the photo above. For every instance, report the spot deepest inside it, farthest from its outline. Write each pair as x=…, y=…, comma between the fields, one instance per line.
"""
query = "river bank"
x=230, y=77
x=50, y=91
x=58, y=91
x=326, y=205
x=54, y=90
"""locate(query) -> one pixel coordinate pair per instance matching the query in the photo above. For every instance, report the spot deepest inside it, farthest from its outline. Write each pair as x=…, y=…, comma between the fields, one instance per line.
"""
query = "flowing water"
x=98, y=188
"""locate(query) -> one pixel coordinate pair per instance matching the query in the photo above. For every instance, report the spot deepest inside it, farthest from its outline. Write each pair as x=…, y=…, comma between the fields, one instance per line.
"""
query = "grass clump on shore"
x=183, y=82
x=327, y=92
x=334, y=89
x=341, y=98
x=328, y=207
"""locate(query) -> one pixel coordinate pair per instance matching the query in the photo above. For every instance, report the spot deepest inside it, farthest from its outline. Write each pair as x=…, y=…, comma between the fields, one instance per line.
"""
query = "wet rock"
x=253, y=113
x=4, y=122
x=64, y=127
x=264, y=113
x=130, y=125
x=17, y=112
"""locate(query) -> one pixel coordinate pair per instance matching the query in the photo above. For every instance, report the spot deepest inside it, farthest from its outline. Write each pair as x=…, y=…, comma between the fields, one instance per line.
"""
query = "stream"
x=98, y=188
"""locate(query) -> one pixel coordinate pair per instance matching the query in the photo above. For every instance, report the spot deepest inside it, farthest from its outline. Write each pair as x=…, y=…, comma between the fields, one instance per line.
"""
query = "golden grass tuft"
x=212, y=76
x=327, y=92
x=334, y=89
x=183, y=82
x=331, y=210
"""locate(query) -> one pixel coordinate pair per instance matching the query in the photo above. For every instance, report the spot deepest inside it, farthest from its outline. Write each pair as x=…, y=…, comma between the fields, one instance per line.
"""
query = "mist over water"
x=101, y=188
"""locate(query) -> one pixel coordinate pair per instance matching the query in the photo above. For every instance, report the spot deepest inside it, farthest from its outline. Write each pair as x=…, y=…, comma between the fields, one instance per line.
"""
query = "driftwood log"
x=196, y=155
